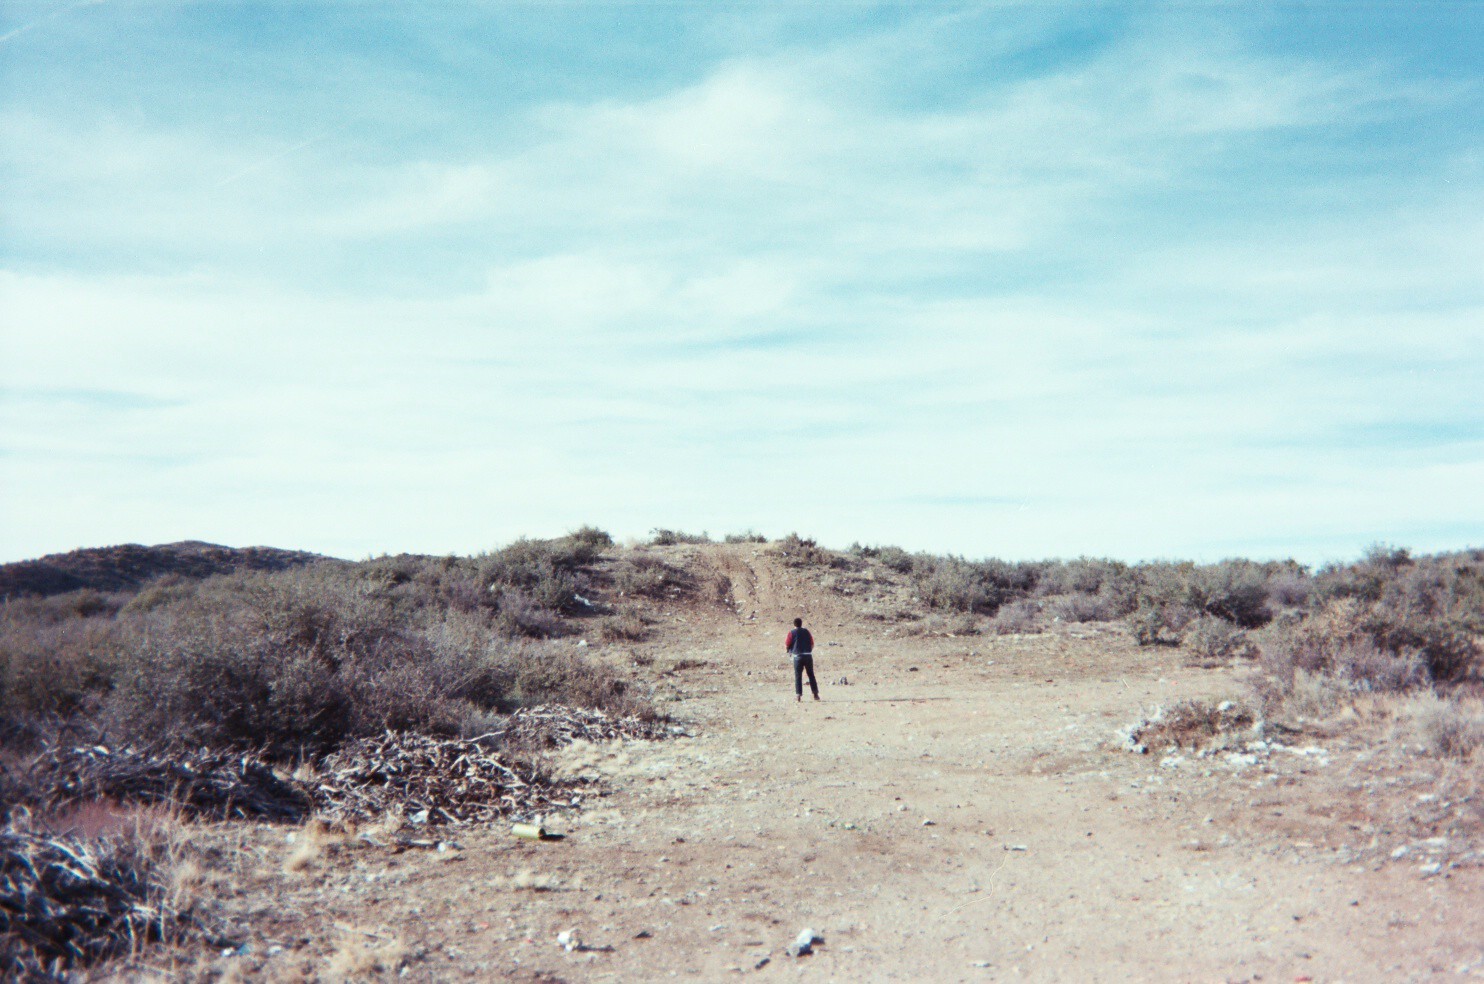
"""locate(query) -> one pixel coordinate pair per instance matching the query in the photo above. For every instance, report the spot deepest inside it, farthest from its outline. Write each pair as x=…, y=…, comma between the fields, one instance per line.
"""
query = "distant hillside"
x=131, y=566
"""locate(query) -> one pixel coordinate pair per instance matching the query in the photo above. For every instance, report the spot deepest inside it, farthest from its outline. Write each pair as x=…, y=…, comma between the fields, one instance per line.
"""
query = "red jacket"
x=806, y=641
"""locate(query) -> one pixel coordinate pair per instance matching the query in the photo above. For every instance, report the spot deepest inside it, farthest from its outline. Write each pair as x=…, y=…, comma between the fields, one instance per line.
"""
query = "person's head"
x=798, y=623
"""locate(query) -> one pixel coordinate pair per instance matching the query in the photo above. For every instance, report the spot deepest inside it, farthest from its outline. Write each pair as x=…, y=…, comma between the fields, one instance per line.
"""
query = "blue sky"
x=1024, y=280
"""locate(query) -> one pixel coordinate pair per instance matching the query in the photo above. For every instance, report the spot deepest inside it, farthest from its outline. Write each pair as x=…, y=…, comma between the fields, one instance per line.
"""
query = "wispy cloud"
x=1102, y=280
x=58, y=11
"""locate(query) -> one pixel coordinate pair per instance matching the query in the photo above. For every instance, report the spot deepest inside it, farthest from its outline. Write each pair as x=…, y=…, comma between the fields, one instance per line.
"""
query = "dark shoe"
x=816, y=696
x=798, y=697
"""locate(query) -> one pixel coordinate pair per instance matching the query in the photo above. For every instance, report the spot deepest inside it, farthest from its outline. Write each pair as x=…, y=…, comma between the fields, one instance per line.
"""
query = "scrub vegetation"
x=291, y=657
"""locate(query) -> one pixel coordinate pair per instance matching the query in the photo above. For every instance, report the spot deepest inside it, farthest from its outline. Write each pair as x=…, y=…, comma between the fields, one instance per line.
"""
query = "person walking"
x=800, y=645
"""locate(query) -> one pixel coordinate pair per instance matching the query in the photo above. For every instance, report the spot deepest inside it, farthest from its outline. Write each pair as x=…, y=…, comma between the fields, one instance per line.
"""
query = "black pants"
x=804, y=662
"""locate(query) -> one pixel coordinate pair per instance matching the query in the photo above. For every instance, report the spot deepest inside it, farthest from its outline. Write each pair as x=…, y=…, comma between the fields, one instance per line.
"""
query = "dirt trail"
x=956, y=812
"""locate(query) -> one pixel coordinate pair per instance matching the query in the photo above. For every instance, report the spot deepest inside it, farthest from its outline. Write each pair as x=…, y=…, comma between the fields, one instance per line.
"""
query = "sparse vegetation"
x=304, y=658
x=310, y=661
x=661, y=537
x=798, y=551
x=1212, y=641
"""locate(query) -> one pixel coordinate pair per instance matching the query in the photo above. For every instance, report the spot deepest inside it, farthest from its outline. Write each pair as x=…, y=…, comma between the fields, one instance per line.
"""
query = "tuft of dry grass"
x=356, y=959
x=1451, y=728
x=312, y=843
x=533, y=881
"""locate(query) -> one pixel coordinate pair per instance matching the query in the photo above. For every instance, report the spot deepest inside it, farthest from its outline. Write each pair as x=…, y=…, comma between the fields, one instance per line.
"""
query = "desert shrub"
x=1085, y=575
x=543, y=569
x=552, y=675
x=746, y=536
x=646, y=576
x=1146, y=624
x=52, y=668
x=1304, y=695
x=518, y=613
x=980, y=587
x=1374, y=645
x=1212, y=640
x=1365, y=580
x=291, y=662
x=894, y=558
x=1290, y=589
x=798, y=551
x=1017, y=618
x=1234, y=590
x=668, y=538
x=1450, y=728
x=301, y=659
x=1158, y=624
x=1078, y=608
x=1192, y=724
x=624, y=627
x=589, y=541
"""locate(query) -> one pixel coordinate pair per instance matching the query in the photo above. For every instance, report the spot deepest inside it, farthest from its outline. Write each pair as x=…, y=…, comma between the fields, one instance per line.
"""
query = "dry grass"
x=1192, y=724
x=319, y=840
x=1450, y=728
x=585, y=761
x=74, y=900
x=362, y=954
x=528, y=880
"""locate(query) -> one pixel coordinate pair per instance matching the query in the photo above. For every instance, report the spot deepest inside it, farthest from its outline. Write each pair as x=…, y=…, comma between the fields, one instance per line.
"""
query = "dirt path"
x=956, y=812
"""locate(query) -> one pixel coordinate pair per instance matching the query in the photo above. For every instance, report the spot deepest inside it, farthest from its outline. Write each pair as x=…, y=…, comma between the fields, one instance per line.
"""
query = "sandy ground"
x=958, y=811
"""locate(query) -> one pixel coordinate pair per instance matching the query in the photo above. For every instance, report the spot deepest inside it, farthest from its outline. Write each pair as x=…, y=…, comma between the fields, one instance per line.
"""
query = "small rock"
x=1428, y=870
x=803, y=944
x=1016, y=847
x=1401, y=852
x=928, y=823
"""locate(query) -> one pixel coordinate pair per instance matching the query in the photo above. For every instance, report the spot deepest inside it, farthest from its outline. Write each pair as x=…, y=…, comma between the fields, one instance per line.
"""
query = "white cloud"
x=647, y=310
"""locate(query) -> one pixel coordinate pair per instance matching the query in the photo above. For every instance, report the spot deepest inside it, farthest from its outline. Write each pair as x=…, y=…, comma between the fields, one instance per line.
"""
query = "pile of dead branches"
x=65, y=902
x=221, y=785
x=554, y=725
x=433, y=781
